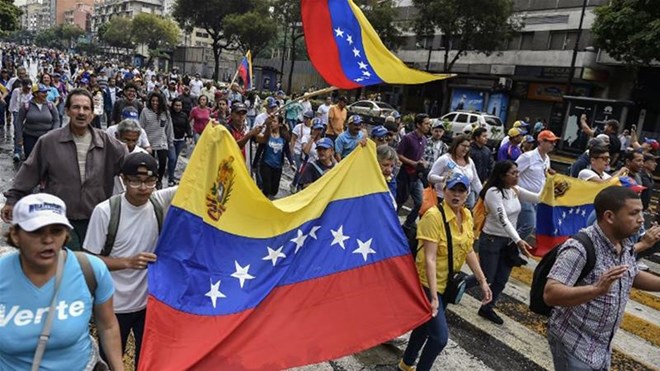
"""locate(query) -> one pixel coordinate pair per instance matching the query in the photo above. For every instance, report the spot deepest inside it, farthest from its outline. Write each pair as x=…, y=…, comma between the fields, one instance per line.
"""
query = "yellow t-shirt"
x=336, y=120
x=432, y=228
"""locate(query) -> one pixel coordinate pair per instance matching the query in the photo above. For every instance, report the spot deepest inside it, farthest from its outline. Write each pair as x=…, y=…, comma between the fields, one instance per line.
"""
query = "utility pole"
x=576, y=47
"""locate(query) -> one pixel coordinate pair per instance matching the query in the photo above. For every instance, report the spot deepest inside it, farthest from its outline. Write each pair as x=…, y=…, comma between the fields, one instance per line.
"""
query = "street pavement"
x=476, y=344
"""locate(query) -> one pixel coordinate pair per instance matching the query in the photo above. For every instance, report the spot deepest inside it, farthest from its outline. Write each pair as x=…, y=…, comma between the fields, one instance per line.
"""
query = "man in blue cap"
x=380, y=135
x=315, y=169
x=271, y=106
x=348, y=140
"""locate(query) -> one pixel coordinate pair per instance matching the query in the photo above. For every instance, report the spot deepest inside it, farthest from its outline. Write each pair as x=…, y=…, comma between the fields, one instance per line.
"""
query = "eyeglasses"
x=606, y=158
x=137, y=183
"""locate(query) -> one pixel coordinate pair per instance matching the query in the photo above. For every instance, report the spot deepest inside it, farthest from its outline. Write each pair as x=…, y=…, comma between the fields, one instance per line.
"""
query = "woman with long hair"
x=156, y=121
x=182, y=132
x=53, y=94
x=499, y=243
x=273, y=148
x=199, y=116
x=41, y=269
x=456, y=160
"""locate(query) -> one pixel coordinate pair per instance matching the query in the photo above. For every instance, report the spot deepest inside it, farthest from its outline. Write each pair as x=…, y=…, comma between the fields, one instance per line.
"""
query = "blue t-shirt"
x=509, y=152
x=53, y=94
x=273, y=152
x=24, y=308
x=346, y=143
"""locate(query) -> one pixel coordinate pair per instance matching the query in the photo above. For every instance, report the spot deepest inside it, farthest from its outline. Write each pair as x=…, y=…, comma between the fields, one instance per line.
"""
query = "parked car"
x=370, y=108
x=464, y=122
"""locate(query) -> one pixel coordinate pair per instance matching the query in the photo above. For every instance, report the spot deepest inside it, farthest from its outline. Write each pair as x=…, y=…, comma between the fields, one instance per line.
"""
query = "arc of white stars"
x=364, y=249
x=339, y=32
x=273, y=255
x=299, y=240
x=338, y=237
x=214, y=293
x=571, y=211
x=242, y=273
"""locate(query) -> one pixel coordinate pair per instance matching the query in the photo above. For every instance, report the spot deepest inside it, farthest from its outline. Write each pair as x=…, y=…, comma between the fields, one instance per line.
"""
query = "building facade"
x=36, y=15
x=107, y=9
x=80, y=15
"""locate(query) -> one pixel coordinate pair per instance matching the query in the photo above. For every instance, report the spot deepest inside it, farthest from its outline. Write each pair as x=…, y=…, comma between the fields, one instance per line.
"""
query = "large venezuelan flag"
x=346, y=50
x=565, y=205
x=243, y=283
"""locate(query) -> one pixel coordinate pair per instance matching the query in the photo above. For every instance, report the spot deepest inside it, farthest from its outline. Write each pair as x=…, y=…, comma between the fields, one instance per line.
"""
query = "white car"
x=371, y=108
x=464, y=122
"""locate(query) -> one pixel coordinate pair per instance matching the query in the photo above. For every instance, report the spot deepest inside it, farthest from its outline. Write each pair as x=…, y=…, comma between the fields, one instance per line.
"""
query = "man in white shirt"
x=324, y=109
x=532, y=167
x=600, y=160
x=196, y=86
x=140, y=217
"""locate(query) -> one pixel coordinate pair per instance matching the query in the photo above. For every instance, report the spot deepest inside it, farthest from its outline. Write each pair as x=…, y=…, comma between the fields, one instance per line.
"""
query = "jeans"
x=526, y=219
x=493, y=263
x=161, y=157
x=127, y=322
x=18, y=149
x=432, y=335
x=173, y=154
x=297, y=159
x=409, y=185
x=564, y=359
x=2, y=113
x=28, y=144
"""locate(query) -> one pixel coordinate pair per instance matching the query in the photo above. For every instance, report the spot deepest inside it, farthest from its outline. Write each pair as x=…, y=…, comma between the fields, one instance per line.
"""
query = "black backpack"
x=115, y=214
x=536, y=302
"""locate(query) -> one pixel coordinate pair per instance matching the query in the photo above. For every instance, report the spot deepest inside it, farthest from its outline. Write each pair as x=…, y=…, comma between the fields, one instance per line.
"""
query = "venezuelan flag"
x=245, y=71
x=565, y=205
x=346, y=50
x=243, y=283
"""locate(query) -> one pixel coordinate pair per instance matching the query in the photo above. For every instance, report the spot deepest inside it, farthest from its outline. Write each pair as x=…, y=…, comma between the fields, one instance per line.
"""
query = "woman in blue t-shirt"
x=28, y=283
x=273, y=147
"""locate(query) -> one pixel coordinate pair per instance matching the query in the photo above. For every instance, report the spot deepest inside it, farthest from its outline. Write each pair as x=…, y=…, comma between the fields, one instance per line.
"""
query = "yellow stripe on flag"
x=562, y=190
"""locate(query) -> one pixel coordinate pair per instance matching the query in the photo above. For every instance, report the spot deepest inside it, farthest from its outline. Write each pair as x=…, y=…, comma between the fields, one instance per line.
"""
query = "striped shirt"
x=587, y=330
x=159, y=129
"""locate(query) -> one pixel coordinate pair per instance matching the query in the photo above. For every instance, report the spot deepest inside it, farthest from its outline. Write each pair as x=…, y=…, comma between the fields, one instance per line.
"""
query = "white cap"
x=38, y=210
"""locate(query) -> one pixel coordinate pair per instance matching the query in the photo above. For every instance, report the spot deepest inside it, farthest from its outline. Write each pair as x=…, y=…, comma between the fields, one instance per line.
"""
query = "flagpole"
x=307, y=96
x=235, y=76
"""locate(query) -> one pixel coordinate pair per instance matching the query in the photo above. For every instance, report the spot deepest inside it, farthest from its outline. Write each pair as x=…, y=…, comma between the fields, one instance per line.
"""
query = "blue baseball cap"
x=308, y=115
x=325, y=143
x=379, y=131
x=129, y=113
x=317, y=123
x=271, y=102
x=457, y=178
x=355, y=119
x=396, y=114
x=529, y=139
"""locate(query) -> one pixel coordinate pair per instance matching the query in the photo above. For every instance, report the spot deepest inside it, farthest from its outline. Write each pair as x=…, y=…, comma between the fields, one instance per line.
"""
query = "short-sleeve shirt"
x=588, y=329
x=311, y=173
x=200, y=118
x=431, y=228
x=412, y=147
x=532, y=168
x=24, y=308
x=346, y=143
x=588, y=174
x=509, y=151
x=336, y=119
x=274, y=152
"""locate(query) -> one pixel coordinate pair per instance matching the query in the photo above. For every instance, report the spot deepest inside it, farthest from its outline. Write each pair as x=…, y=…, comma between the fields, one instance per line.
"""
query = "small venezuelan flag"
x=245, y=71
x=346, y=50
x=243, y=283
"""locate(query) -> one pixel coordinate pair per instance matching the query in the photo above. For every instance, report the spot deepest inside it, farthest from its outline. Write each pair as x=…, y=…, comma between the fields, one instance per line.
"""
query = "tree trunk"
x=283, y=53
x=294, y=38
x=216, y=57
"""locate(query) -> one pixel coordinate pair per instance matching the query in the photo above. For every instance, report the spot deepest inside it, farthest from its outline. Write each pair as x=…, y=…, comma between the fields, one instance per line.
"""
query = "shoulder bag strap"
x=45, y=331
x=450, y=247
x=88, y=272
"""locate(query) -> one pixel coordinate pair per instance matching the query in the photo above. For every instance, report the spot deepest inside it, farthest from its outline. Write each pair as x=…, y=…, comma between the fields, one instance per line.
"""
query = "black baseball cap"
x=134, y=161
x=239, y=107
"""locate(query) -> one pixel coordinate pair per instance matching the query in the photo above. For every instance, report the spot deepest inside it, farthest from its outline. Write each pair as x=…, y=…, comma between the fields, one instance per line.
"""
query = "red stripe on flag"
x=308, y=322
x=546, y=243
x=321, y=47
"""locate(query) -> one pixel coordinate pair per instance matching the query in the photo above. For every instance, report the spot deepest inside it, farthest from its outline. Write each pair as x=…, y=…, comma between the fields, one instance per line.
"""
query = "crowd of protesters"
x=98, y=139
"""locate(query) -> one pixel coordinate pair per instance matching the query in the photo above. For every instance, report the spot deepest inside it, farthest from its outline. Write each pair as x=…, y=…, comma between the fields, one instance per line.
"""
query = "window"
x=514, y=43
x=473, y=119
x=557, y=41
x=527, y=40
x=450, y=117
x=462, y=118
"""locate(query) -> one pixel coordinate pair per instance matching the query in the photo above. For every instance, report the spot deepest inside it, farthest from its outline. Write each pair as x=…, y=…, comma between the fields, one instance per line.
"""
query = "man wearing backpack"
x=315, y=169
x=589, y=283
x=123, y=232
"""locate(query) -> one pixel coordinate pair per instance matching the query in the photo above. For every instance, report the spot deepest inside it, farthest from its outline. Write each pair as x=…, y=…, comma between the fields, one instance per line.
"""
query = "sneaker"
x=405, y=367
x=293, y=188
x=17, y=157
x=159, y=185
x=642, y=267
x=490, y=315
x=171, y=183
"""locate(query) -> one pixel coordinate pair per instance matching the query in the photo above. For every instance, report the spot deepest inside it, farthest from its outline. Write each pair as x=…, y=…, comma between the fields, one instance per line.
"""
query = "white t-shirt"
x=444, y=166
x=323, y=111
x=503, y=212
x=588, y=174
x=196, y=87
x=143, y=141
x=532, y=168
x=301, y=131
x=313, y=155
x=137, y=232
x=82, y=147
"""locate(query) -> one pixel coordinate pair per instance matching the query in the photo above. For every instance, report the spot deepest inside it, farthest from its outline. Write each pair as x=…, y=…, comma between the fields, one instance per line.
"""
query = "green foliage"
x=381, y=14
x=10, y=17
x=253, y=30
x=629, y=30
x=482, y=26
x=118, y=33
x=158, y=33
x=61, y=36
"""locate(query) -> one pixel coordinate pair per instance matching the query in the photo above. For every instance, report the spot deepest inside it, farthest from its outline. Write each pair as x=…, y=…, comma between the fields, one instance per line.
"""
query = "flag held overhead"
x=346, y=50
x=243, y=283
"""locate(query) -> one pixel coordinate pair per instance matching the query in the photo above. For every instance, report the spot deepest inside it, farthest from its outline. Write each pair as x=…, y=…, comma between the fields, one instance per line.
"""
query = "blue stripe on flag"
x=561, y=220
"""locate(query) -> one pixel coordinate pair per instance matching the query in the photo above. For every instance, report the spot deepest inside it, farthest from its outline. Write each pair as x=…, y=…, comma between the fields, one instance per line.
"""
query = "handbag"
x=429, y=199
x=45, y=331
x=456, y=281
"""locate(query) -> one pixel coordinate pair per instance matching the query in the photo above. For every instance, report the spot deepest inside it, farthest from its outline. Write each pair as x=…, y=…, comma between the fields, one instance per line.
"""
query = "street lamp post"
x=429, y=42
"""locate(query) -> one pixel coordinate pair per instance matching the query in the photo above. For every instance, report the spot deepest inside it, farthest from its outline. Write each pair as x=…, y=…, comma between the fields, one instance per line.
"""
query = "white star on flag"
x=312, y=233
x=556, y=231
x=362, y=65
x=366, y=73
x=215, y=293
x=356, y=53
x=563, y=215
x=571, y=211
x=273, y=255
x=359, y=79
x=349, y=38
x=364, y=249
x=242, y=273
x=584, y=212
x=339, y=32
x=559, y=222
x=299, y=240
x=338, y=237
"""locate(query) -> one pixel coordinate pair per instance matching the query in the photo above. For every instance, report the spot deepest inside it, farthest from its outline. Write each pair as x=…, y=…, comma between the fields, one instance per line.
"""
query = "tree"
x=10, y=16
x=157, y=33
x=68, y=32
x=381, y=14
x=629, y=30
x=254, y=30
x=211, y=15
x=118, y=33
x=288, y=14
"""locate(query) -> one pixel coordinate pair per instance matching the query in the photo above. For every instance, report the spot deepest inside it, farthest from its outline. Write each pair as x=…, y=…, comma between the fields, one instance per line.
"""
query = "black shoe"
x=171, y=183
x=490, y=315
x=159, y=185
